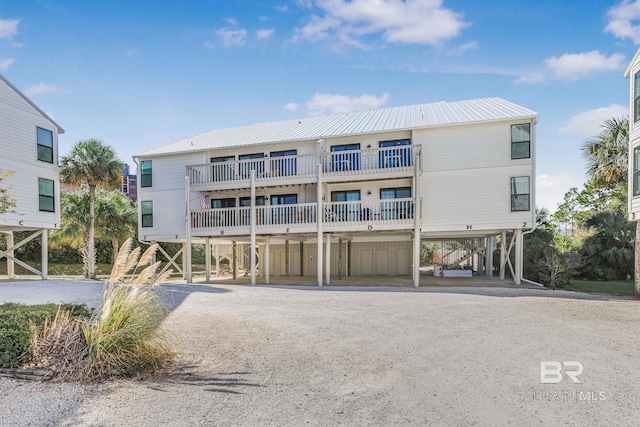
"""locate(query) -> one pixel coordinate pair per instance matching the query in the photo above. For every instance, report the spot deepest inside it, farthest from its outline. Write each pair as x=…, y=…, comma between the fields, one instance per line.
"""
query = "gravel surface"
x=358, y=356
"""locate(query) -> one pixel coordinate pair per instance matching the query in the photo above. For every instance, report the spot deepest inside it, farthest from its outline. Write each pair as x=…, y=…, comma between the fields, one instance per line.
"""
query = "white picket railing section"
x=305, y=215
x=289, y=168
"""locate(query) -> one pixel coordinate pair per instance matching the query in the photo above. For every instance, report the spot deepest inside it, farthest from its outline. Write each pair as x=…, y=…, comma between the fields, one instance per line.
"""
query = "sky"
x=142, y=74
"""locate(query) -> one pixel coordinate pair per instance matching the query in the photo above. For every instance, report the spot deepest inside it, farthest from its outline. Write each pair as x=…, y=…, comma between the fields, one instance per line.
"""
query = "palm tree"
x=93, y=163
x=607, y=157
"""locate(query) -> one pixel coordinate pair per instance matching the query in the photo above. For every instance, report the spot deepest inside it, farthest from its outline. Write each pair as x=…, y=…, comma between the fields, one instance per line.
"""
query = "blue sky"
x=140, y=74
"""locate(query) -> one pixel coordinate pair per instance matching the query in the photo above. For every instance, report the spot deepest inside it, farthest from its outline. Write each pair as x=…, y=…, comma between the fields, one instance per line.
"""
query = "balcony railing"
x=304, y=166
x=391, y=212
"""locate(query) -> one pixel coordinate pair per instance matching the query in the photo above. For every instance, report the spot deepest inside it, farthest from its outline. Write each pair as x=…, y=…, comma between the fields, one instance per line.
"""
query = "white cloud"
x=620, y=20
x=550, y=189
x=8, y=28
x=41, y=89
x=457, y=51
x=397, y=21
x=292, y=106
x=265, y=33
x=589, y=123
x=281, y=8
x=574, y=66
x=326, y=103
x=5, y=64
x=231, y=38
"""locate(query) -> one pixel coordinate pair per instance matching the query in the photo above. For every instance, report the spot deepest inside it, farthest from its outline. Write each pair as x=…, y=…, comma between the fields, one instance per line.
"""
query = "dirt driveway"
x=367, y=356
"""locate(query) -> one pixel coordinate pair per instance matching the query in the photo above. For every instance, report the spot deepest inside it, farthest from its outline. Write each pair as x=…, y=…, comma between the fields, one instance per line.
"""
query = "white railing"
x=304, y=215
x=335, y=163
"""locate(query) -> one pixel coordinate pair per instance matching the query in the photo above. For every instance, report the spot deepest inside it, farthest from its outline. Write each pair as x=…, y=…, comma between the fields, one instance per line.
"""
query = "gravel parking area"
x=359, y=356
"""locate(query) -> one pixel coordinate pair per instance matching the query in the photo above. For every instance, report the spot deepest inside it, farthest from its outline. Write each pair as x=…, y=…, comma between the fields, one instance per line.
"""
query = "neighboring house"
x=633, y=73
x=29, y=145
x=128, y=184
x=352, y=190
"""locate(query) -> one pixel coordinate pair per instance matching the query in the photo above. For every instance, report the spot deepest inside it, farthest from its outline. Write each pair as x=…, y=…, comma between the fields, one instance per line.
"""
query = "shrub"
x=15, y=330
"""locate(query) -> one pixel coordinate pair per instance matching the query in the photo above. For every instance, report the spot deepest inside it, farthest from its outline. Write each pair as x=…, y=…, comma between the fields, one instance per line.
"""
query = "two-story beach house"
x=350, y=194
x=29, y=145
x=633, y=74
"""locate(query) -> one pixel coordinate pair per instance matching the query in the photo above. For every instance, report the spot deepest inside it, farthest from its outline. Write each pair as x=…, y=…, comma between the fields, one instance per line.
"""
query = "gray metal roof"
x=354, y=123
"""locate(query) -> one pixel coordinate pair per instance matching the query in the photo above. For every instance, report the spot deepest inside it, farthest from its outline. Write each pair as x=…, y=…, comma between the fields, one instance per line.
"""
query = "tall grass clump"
x=122, y=338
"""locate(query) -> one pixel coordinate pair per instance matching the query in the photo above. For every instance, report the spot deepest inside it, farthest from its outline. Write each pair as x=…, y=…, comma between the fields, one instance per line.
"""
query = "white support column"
x=11, y=272
x=503, y=253
x=319, y=220
x=266, y=261
x=187, y=246
x=416, y=222
x=207, y=259
x=489, y=260
x=327, y=261
x=252, y=219
x=153, y=257
x=45, y=253
x=217, y=252
x=518, y=257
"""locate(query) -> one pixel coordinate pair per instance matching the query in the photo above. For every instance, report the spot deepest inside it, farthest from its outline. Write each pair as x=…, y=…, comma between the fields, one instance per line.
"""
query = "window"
x=343, y=160
x=281, y=214
x=246, y=213
x=146, y=174
x=397, y=153
x=396, y=209
x=147, y=213
x=346, y=211
x=520, y=194
x=45, y=145
x=46, y=193
x=636, y=171
x=224, y=168
x=636, y=97
x=521, y=141
x=254, y=161
x=283, y=162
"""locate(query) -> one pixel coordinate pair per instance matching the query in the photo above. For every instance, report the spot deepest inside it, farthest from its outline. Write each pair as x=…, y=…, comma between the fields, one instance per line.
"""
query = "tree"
x=116, y=220
x=6, y=200
x=607, y=159
x=95, y=164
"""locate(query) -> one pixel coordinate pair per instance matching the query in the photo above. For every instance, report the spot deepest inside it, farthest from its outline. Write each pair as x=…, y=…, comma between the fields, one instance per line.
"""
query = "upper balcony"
x=351, y=165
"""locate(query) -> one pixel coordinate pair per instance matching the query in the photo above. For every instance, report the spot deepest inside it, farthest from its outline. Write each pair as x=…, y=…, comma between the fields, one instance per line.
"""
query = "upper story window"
x=283, y=162
x=397, y=153
x=146, y=209
x=520, y=193
x=345, y=157
x=46, y=195
x=636, y=97
x=146, y=173
x=521, y=141
x=636, y=171
x=45, y=145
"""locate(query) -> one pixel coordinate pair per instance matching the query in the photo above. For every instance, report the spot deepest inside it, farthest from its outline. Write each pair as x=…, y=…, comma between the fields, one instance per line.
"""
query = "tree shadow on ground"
x=221, y=382
x=175, y=294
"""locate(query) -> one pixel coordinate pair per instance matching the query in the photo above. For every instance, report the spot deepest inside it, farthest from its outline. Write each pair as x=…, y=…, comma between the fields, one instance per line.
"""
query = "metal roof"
x=346, y=124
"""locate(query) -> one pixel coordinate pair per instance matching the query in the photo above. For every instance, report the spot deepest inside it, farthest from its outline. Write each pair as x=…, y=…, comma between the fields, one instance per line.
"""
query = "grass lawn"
x=613, y=287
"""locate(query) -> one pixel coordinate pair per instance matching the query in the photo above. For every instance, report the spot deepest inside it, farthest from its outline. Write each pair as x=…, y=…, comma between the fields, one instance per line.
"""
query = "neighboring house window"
x=636, y=171
x=520, y=191
x=396, y=209
x=283, y=162
x=345, y=157
x=397, y=153
x=45, y=145
x=146, y=173
x=636, y=97
x=521, y=141
x=147, y=213
x=46, y=193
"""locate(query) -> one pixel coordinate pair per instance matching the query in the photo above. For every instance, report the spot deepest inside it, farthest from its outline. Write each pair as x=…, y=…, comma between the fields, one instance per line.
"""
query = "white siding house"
x=633, y=74
x=356, y=192
x=29, y=146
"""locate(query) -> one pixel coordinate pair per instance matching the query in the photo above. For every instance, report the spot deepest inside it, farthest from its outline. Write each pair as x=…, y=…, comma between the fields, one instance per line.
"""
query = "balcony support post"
x=252, y=220
x=266, y=261
x=187, y=245
x=207, y=259
x=503, y=254
x=10, y=263
x=319, y=220
x=416, y=222
x=340, y=259
x=327, y=261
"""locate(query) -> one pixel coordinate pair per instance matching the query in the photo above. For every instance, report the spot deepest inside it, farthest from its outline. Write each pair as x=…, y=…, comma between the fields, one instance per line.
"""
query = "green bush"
x=15, y=331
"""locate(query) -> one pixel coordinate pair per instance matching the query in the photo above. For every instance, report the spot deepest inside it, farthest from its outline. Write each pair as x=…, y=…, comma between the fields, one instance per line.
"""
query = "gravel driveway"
x=359, y=356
